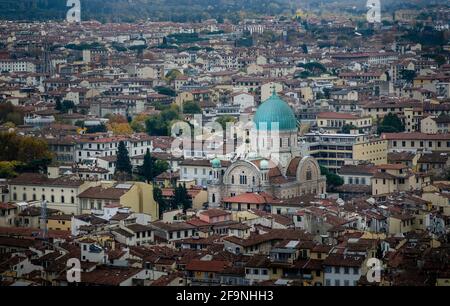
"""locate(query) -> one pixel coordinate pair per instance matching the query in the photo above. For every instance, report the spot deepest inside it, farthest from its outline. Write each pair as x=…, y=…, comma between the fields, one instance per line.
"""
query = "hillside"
x=132, y=10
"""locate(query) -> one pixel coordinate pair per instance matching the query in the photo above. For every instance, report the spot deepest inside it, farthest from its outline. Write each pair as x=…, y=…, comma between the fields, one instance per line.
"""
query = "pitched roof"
x=207, y=265
x=252, y=198
x=103, y=193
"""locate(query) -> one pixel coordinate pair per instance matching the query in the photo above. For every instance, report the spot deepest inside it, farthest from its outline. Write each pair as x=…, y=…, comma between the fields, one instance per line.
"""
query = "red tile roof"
x=207, y=265
x=252, y=198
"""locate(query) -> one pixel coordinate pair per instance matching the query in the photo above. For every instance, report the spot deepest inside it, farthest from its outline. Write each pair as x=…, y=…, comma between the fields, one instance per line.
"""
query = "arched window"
x=214, y=198
x=308, y=174
x=232, y=179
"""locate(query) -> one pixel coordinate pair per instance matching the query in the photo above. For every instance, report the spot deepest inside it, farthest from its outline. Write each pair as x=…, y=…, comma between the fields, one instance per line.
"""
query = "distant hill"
x=132, y=10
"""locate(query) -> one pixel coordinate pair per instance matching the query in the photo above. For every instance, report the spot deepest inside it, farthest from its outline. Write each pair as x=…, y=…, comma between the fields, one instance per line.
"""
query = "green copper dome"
x=275, y=110
x=215, y=163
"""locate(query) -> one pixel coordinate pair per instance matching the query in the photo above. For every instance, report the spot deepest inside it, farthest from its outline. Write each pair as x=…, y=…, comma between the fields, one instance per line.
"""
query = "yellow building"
x=401, y=223
x=59, y=222
x=61, y=193
x=438, y=196
x=137, y=196
x=397, y=177
x=374, y=151
x=334, y=122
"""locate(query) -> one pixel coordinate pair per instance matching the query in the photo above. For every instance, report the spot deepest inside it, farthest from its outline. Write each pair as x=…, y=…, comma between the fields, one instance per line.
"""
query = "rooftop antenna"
x=44, y=220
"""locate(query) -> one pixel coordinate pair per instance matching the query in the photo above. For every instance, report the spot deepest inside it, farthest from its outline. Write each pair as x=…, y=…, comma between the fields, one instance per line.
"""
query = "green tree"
x=181, y=197
x=147, y=169
x=224, y=119
x=347, y=128
x=191, y=107
x=123, y=165
x=158, y=197
x=26, y=153
x=10, y=113
x=163, y=90
x=408, y=75
x=305, y=48
x=159, y=125
x=7, y=169
x=100, y=128
x=333, y=180
x=172, y=75
x=391, y=123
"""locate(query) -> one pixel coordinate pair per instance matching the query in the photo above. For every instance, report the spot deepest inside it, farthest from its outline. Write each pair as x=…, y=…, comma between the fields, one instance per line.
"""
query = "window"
x=337, y=270
x=327, y=282
x=346, y=270
x=337, y=282
x=355, y=271
x=346, y=282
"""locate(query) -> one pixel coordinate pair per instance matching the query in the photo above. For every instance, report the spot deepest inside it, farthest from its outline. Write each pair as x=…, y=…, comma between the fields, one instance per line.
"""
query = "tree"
x=222, y=120
x=123, y=164
x=138, y=123
x=148, y=167
x=172, y=75
x=100, y=128
x=191, y=107
x=26, y=153
x=305, y=48
x=408, y=75
x=158, y=197
x=333, y=180
x=10, y=113
x=347, y=128
x=159, y=125
x=120, y=128
x=391, y=123
x=163, y=90
x=7, y=169
x=181, y=197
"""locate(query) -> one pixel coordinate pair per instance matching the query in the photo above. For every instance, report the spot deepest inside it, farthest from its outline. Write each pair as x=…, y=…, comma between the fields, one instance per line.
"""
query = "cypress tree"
x=123, y=164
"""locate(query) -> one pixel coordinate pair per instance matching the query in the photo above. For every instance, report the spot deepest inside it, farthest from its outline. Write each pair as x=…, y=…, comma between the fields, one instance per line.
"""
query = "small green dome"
x=272, y=111
x=215, y=163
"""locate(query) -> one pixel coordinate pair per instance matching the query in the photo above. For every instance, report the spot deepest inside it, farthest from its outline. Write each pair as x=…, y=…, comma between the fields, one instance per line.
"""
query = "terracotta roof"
x=103, y=193
x=292, y=168
x=207, y=265
x=252, y=198
x=433, y=158
x=414, y=136
x=333, y=115
x=214, y=212
x=108, y=276
x=272, y=235
x=36, y=179
x=340, y=260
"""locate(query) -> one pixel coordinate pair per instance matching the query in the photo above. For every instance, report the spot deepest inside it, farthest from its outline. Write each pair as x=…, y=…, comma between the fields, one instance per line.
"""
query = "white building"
x=17, y=66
